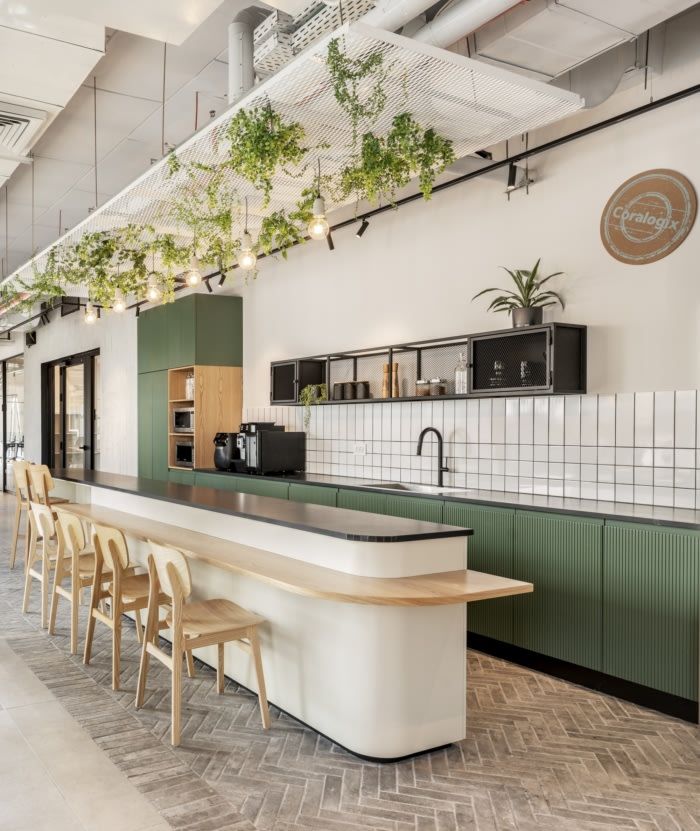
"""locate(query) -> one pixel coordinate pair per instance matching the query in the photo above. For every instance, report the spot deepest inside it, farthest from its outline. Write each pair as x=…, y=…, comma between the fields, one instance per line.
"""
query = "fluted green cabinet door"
x=374, y=503
x=159, y=414
x=259, y=486
x=414, y=507
x=563, y=557
x=313, y=494
x=490, y=549
x=145, y=425
x=222, y=481
x=651, y=606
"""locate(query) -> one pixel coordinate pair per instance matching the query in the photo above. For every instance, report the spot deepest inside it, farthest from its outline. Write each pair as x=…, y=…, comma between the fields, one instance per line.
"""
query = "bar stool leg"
x=116, y=642
x=74, y=607
x=150, y=636
x=57, y=579
x=176, y=694
x=220, y=677
x=45, y=579
x=190, y=663
x=262, y=692
x=15, y=534
x=95, y=600
x=139, y=625
x=27, y=589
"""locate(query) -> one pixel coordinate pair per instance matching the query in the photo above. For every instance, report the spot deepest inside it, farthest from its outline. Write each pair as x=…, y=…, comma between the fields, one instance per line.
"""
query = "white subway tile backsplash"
x=629, y=447
x=664, y=415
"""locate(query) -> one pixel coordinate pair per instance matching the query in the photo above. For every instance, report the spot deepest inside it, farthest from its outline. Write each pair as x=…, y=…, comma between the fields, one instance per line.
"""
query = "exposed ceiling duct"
x=546, y=38
x=463, y=17
x=241, y=71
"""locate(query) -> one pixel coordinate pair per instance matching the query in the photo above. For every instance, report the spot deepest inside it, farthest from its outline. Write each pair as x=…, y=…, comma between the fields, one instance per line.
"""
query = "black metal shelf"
x=551, y=356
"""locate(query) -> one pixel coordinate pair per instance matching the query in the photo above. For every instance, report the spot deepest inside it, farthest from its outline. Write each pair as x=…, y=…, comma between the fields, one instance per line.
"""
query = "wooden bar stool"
x=126, y=591
x=22, y=498
x=41, y=484
x=193, y=624
x=45, y=542
x=76, y=559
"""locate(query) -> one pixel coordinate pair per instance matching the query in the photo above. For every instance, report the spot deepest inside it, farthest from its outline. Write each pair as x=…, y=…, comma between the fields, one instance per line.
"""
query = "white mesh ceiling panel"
x=472, y=104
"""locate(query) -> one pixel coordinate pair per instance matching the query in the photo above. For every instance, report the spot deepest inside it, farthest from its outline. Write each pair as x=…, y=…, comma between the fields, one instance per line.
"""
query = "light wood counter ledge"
x=306, y=579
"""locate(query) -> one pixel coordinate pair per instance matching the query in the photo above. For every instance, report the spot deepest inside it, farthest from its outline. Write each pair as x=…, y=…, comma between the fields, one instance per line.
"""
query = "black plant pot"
x=527, y=317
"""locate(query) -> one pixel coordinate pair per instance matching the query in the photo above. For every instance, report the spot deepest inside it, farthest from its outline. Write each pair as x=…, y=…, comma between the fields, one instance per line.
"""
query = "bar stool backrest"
x=71, y=536
x=172, y=569
x=41, y=483
x=20, y=471
x=43, y=517
x=111, y=545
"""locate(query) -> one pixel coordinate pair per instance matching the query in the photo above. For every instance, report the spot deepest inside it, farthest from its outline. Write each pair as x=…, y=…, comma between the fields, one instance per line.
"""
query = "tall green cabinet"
x=198, y=329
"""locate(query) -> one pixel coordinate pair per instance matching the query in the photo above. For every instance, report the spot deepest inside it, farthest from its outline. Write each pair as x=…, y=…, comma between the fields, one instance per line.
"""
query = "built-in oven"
x=184, y=453
x=183, y=420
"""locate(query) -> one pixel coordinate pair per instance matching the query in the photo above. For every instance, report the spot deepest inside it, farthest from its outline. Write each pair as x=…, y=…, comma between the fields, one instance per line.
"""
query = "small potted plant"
x=311, y=395
x=527, y=301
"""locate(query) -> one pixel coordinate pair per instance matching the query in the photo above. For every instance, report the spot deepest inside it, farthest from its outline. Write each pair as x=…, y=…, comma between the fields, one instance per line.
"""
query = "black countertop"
x=596, y=509
x=316, y=519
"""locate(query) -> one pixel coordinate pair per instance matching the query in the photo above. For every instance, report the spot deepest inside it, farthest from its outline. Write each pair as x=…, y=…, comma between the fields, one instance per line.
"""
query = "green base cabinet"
x=373, y=503
x=414, y=507
x=651, y=606
x=216, y=480
x=153, y=424
x=489, y=550
x=313, y=494
x=181, y=477
x=263, y=487
x=563, y=557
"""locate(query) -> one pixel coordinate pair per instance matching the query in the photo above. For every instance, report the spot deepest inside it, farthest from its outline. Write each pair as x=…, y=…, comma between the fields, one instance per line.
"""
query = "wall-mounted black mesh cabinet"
x=288, y=379
x=538, y=359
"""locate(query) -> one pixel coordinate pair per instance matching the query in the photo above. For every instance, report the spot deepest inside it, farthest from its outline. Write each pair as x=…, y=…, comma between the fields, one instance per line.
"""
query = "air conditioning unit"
x=19, y=127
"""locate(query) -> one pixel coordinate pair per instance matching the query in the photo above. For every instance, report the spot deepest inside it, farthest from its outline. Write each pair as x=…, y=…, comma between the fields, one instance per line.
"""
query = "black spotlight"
x=209, y=288
x=364, y=225
x=329, y=240
x=138, y=310
x=222, y=279
x=512, y=176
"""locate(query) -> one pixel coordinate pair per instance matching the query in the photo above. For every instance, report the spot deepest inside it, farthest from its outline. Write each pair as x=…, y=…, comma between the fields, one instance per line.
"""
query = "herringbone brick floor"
x=539, y=754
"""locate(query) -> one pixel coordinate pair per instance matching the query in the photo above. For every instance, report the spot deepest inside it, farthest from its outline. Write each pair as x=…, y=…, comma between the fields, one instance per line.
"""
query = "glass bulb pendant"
x=90, y=314
x=119, y=302
x=193, y=277
x=247, y=258
x=153, y=292
x=319, y=227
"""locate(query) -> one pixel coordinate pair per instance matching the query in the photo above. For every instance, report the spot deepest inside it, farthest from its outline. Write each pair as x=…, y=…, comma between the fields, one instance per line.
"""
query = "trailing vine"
x=281, y=230
x=348, y=76
x=385, y=164
x=259, y=143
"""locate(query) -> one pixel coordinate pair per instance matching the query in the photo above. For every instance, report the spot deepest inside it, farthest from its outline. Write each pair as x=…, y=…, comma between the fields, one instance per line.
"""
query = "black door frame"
x=47, y=406
x=3, y=406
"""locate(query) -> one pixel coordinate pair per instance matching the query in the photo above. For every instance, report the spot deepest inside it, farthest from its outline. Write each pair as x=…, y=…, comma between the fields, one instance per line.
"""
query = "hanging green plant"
x=281, y=230
x=349, y=76
x=260, y=143
x=384, y=165
x=310, y=396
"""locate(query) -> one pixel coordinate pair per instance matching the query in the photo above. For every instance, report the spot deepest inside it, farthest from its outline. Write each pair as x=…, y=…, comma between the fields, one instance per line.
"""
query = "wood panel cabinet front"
x=563, y=557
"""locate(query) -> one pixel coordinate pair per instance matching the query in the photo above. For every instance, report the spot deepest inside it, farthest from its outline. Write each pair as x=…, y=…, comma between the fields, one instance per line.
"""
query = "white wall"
x=414, y=271
x=115, y=337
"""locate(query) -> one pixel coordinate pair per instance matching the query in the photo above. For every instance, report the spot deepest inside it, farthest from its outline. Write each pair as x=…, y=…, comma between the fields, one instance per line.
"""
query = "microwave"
x=184, y=453
x=183, y=420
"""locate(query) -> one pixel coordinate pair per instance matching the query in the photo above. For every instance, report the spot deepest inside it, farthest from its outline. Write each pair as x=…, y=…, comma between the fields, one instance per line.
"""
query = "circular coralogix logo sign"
x=648, y=216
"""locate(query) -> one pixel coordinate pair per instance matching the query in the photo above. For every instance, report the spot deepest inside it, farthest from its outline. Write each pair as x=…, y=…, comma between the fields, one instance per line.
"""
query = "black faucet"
x=441, y=467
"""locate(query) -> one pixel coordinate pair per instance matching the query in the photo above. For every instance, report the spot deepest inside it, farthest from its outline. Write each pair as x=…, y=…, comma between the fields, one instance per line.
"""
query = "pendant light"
x=193, y=275
x=90, y=313
x=153, y=292
x=319, y=227
x=247, y=258
x=119, y=302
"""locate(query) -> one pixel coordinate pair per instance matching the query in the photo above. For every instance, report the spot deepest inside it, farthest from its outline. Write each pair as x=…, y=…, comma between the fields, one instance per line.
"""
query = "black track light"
x=222, y=279
x=138, y=310
x=512, y=176
x=209, y=288
x=364, y=225
x=329, y=240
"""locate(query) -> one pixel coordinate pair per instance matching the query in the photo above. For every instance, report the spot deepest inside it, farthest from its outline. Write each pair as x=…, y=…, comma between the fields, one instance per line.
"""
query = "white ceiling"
x=129, y=88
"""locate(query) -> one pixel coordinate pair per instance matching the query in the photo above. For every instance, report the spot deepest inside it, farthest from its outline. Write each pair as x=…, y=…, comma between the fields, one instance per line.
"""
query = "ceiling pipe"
x=393, y=14
x=464, y=17
x=241, y=74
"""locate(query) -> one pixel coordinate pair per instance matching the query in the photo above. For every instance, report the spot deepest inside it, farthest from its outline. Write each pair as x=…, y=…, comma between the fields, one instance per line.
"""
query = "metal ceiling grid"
x=472, y=104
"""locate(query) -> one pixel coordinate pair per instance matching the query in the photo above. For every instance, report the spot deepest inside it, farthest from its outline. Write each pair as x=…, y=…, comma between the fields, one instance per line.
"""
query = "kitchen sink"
x=411, y=488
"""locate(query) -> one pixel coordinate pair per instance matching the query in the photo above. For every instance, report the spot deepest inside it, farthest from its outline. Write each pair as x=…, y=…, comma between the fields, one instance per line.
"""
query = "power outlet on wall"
x=360, y=448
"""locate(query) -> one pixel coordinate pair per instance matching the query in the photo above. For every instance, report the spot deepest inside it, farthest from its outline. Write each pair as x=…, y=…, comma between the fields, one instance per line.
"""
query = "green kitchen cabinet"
x=414, y=507
x=181, y=477
x=221, y=481
x=153, y=424
x=259, y=486
x=373, y=503
x=313, y=494
x=490, y=550
x=563, y=557
x=197, y=329
x=651, y=606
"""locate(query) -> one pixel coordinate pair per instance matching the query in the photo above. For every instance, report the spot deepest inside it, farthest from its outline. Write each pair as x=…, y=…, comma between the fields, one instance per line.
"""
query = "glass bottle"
x=461, y=376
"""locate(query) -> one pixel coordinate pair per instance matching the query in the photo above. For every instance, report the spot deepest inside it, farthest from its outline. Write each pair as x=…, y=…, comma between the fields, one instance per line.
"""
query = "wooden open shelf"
x=217, y=404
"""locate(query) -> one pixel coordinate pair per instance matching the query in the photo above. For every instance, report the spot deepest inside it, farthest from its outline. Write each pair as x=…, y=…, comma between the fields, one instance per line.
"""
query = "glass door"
x=73, y=422
x=13, y=416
